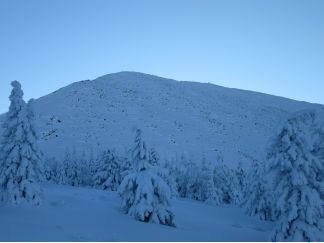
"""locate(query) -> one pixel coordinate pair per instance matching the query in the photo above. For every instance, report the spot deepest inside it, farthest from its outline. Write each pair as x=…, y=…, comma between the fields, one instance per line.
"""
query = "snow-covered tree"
x=84, y=171
x=20, y=157
x=153, y=157
x=69, y=172
x=318, y=150
x=108, y=176
x=196, y=181
x=295, y=170
x=211, y=192
x=62, y=177
x=259, y=199
x=93, y=162
x=165, y=171
x=192, y=183
x=178, y=167
x=188, y=178
x=51, y=169
x=145, y=195
x=239, y=188
x=224, y=179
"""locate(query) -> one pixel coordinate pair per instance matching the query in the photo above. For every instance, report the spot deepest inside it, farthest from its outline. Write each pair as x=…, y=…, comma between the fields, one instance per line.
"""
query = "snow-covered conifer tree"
x=165, y=171
x=224, y=179
x=318, y=150
x=297, y=189
x=20, y=157
x=153, y=157
x=178, y=167
x=85, y=163
x=69, y=172
x=189, y=179
x=211, y=192
x=108, y=176
x=259, y=199
x=145, y=195
x=51, y=169
x=63, y=168
x=239, y=188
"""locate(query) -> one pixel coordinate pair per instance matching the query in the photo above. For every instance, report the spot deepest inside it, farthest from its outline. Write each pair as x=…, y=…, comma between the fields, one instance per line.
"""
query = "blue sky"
x=272, y=46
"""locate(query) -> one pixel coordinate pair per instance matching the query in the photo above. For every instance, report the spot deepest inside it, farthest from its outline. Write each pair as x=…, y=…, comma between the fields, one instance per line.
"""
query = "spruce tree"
x=297, y=187
x=224, y=179
x=108, y=176
x=239, y=188
x=20, y=157
x=145, y=195
x=153, y=157
x=51, y=169
x=318, y=151
x=70, y=170
x=165, y=172
x=259, y=200
x=211, y=192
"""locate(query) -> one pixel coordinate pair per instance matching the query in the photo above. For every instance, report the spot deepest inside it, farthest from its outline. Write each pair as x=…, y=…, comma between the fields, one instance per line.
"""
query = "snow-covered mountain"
x=194, y=118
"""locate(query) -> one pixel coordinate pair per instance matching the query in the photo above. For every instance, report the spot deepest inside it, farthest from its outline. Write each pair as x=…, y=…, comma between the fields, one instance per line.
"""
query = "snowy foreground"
x=80, y=214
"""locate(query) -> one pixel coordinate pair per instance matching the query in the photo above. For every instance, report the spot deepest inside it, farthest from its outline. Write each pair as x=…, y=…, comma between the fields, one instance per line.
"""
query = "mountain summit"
x=176, y=117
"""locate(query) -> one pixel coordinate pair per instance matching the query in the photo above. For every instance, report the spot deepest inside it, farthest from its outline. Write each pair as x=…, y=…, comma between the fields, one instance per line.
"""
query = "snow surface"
x=195, y=118
x=81, y=214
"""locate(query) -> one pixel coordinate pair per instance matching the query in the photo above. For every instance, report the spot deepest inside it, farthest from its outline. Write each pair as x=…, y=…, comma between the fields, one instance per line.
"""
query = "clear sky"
x=272, y=46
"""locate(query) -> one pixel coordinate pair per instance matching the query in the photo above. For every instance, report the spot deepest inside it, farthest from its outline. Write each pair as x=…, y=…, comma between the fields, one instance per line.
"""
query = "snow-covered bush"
x=297, y=188
x=145, y=195
x=20, y=157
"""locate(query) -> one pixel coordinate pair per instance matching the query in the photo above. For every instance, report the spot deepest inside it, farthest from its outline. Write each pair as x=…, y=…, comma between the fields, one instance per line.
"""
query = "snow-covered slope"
x=176, y=117
x=80, y=214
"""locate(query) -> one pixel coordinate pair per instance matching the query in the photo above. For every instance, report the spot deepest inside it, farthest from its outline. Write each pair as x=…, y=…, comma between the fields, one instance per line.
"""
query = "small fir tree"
x=211, y=192
x=145, y=195
x=108, y=176
x=259, y=201
x=239, y=189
